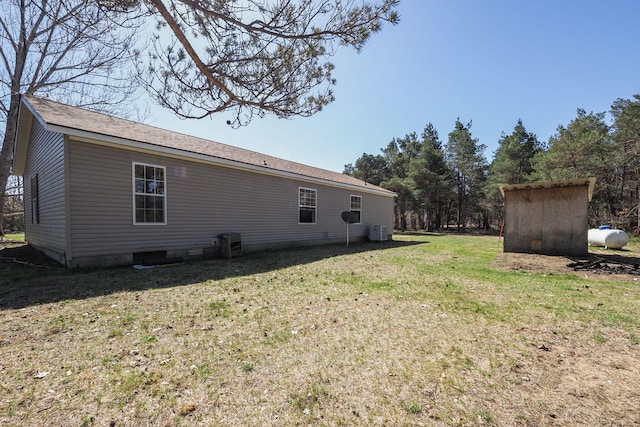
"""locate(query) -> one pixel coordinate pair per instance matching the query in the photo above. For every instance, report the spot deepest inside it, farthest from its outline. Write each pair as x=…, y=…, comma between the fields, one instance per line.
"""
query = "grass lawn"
x=14, y=237
x=427, y=330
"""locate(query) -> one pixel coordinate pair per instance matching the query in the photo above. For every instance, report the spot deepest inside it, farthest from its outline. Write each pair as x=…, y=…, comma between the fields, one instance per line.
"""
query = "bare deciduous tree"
x=74, y=51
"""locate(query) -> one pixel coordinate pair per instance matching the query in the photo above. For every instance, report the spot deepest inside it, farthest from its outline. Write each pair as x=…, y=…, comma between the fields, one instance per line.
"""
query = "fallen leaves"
x=187, y=409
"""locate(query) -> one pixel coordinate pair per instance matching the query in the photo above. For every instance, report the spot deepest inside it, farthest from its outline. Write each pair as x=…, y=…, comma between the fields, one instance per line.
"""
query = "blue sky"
x=490, y=62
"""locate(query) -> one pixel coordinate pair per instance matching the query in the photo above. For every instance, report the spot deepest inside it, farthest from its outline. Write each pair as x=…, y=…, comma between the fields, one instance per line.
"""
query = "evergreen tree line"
x=452, y=185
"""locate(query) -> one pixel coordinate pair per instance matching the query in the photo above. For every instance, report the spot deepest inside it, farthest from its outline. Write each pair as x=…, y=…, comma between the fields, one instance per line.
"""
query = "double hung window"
x=307, y=205
x=149, y=194
x=356, y=207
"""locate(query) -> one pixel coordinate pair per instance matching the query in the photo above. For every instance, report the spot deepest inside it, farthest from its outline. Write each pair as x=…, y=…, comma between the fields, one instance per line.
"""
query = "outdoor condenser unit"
x=378, y=233
x=230, y=244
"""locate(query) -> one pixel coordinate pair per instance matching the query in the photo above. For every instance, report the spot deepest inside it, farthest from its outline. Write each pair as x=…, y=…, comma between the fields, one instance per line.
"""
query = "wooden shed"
x=547, y=217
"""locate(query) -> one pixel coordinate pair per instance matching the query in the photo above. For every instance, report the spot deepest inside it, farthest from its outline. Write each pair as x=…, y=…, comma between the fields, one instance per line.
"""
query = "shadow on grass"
x=449, y=232
x=27, y=277
x=421, y=233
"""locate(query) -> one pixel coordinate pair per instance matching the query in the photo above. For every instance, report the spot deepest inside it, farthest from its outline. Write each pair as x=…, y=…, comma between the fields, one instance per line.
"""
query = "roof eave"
x=117, y=142
x=578, y=182
x=22, y=137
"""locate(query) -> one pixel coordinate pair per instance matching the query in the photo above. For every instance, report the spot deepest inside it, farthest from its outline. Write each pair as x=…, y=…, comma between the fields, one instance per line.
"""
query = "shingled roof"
x=90, y=125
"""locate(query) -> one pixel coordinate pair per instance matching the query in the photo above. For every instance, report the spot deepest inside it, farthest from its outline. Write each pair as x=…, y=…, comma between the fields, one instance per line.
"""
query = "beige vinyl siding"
x=46, y=160
x=202, y=201
x=376, y=210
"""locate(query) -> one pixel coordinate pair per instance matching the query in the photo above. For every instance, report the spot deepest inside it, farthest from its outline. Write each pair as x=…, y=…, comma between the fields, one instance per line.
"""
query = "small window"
x=35, y=201
x=149, y=201
x=307, y=206
x=356, y=207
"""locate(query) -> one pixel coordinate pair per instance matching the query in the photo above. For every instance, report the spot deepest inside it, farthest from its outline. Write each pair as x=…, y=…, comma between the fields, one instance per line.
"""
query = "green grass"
x=461, y=276
x=426, y=330
x=219, y=308
x=412, y=407
x=14, y=237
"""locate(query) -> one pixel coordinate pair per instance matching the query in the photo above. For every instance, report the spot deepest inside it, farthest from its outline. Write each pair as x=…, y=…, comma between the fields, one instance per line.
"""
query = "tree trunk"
x=459, y=215
x=6, y=154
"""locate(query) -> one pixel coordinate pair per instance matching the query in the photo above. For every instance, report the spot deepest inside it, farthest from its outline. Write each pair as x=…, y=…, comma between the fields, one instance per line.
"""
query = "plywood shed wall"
x=547, y=217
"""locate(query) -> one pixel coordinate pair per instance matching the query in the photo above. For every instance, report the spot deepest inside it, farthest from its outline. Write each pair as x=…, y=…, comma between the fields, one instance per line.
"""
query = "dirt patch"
x=599, y=263
x=576, y=378
x=534, y=263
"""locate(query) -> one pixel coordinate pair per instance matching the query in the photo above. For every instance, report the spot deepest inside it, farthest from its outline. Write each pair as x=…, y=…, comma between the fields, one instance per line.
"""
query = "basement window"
x=149, y=199
x=307, y=205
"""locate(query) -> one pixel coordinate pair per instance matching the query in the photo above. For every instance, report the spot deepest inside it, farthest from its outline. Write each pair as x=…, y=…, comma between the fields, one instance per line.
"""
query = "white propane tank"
x=607, y=237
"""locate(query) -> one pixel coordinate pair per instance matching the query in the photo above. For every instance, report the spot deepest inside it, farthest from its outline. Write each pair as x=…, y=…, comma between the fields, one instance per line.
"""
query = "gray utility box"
x=378, y=233
x=230, y=244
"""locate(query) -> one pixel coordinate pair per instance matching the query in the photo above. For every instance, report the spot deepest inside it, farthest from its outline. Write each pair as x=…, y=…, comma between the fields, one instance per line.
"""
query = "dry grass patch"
x=420, y=331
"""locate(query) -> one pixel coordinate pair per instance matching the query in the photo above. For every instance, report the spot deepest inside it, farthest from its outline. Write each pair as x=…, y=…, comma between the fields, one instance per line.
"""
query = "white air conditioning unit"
x=378, y=233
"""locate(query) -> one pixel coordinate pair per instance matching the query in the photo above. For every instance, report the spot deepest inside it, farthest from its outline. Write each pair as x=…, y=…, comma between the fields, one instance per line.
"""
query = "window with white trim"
x=356, y=207
x=307, y=205
x=149, y=199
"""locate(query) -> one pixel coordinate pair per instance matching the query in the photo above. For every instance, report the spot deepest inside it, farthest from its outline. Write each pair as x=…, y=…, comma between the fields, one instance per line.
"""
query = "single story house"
x=101, y=190
x=548, y=217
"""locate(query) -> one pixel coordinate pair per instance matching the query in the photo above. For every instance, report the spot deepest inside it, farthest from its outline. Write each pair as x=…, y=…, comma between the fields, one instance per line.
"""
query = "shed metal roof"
x=577, y=182
x=93, y=127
